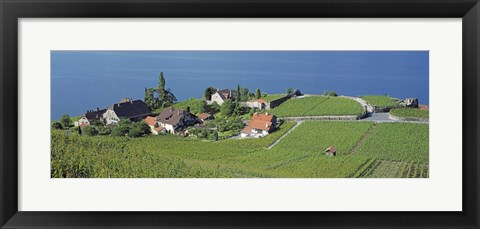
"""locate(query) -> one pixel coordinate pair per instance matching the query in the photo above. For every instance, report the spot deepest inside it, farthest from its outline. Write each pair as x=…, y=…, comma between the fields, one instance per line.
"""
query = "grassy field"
x=193, y=103
x=409, y=112
x=318, y=106
x=272, y=97
x=380, y=101
x=363, y=150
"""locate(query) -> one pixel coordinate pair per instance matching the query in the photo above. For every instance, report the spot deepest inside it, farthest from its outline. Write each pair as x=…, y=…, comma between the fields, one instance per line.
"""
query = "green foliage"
x=224, y=124
x=102, y=130
x=382, y=101
x=213, y=108
x=410, y=112
x=57, y=125
x=289, y=90
x=272, y=97
x=258, y=94
x=332, y=93
x=209, y=91
x=317, y=106
x=89, y=130
x=227, y=108
x=244, y=94
x=149, y=98
x=65, y=121
x=398, y=142
x=197, y=106
x=325, y=93
x=122, y=128
x=300, y=154
x=138, y=129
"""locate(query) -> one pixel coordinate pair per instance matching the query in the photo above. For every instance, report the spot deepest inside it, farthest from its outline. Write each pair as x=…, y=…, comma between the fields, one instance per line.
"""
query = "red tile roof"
x=260, y=125
x=247, y=129
x=261, y=101
x=262, y=117
x=83, y=124
x=150, y=121
x=204, y=116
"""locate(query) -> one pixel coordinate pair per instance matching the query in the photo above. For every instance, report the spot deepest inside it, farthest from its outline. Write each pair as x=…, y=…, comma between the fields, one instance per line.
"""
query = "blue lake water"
x=83, y=80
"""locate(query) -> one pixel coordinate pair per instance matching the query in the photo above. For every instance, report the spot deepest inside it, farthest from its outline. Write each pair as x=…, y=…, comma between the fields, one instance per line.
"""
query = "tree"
x=122, y=128
x=236, y=109
x=65, y=121
x=57, y=125
x=325, y=93
x=227, y=108
x=138, y=129
x=244, y=94
x=209, y=91
x=169, y=98
x=149, y=98
x=161, y=88
x=215, y=136
x=332, y=93
x=289, y=90
x=90, y=130
x=258, y=94
x=214, y=107
x=200, y=106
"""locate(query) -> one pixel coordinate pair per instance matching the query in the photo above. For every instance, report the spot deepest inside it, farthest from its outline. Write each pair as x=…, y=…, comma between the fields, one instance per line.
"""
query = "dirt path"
x=284, y=135
x=362, y=139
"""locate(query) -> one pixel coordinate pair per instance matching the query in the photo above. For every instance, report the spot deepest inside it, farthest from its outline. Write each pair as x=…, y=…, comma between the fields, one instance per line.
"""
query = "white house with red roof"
x=260, y=125
x=155, y=128
x=83, y=121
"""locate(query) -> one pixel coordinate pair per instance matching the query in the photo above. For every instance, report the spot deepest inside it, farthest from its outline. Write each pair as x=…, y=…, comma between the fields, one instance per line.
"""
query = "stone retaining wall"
x=411, y=119
x=343, y=117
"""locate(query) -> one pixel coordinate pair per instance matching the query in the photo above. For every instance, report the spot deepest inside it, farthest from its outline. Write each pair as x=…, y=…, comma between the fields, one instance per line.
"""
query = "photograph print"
x=239, y=114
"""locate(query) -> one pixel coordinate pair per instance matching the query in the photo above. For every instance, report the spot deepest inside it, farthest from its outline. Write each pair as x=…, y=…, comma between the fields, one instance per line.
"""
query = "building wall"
x=216, y=98
x=110, y=117
x=275, y=103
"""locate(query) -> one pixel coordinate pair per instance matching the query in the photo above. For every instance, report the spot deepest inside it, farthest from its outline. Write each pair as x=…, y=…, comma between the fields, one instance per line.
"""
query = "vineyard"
x=318, y=106
x=272, y=97
x=380, y=100
x=388, y=150
x=409, y=112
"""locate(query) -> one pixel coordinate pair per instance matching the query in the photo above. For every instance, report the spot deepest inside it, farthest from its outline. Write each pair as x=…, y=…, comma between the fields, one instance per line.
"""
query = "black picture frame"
x=12, y=10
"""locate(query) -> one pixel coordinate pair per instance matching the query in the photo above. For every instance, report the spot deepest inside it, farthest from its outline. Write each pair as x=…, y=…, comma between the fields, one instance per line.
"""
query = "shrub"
x=57, y=125
x=89, y=130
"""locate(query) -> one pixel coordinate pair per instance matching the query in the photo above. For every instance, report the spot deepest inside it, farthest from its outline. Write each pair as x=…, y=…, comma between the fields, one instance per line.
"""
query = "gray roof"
x=95, y=115
x=132, y=109
x=171, y=115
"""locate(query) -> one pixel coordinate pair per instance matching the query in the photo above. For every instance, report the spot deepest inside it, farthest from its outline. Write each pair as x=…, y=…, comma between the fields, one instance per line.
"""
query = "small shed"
x=331, y=151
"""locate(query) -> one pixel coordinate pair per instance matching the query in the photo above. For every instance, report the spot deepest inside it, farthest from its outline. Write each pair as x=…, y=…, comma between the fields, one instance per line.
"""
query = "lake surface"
x=85, y=80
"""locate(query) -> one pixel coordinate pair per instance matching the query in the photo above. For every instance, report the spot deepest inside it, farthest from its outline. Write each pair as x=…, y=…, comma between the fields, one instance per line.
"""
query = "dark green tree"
x=227, y=108
x=215, y=136
x=57, y=125
x=149, y=98
x=161, y=88
x=258, y=94
x=289, y=90
x=209, y=91
x=65, y=121
x=90, y=130
x=332, y=93
x=325, y=93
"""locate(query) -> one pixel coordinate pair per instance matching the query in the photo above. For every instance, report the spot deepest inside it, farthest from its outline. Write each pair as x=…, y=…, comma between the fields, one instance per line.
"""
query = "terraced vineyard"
x=318, y=106
x=409, y=112
x=393, y=169
x=398, y=141
x=380, y=100
x=364, y=149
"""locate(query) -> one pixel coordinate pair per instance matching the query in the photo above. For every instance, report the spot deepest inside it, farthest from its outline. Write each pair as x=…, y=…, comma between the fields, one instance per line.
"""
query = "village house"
x=260, y=104
x=221, y=95
x=175, y=120
x=205, y=117
x=155, y=128
x=83, y=121
x=260, y=125
x=133, y=110
x=331, y=151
